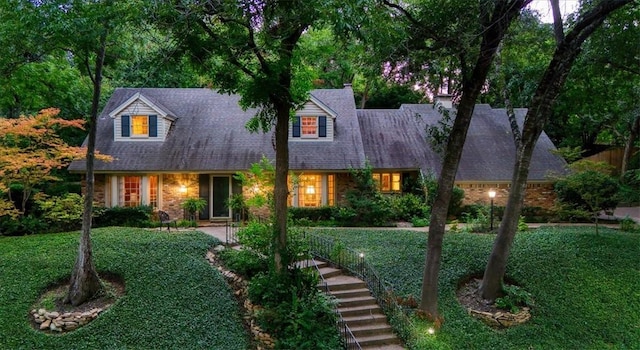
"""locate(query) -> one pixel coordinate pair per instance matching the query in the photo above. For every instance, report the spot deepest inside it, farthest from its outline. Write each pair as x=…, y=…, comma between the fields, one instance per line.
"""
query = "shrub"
x=139, y=216
x=193, y=205
x=311, y=214
x=628, y=225
x=514, y=297
x=522, y=225
x=344, y=215
x=304, y=323
x=295, y=312
x=407, y=206
x=589, y=188
x=257, y=236
x=430, y=183
x=62, y=213
x=244, y=262
x=419, y=222
x=23, y=225
x=480, y=222
x=536, y=214
x=367, y=203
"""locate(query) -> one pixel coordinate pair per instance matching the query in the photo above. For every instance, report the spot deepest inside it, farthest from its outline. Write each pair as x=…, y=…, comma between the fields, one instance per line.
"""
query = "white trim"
x=114, y=191
x=323, y=106
x=138, y=96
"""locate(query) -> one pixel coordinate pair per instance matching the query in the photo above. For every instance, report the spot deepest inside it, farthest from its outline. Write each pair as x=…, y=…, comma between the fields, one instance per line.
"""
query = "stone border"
x=69, y=321
x=502, y=319
x=241, y=291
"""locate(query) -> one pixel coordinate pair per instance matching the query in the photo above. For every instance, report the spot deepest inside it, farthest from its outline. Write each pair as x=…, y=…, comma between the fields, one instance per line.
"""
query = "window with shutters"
x=139, y=126
x=309, y=127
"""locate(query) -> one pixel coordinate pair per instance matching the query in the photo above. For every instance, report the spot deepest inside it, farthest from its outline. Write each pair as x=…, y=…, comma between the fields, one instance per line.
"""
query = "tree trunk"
x=281, y=188
x=85, y=283
x=504, y=13
x=548, y=89
x=629, y=146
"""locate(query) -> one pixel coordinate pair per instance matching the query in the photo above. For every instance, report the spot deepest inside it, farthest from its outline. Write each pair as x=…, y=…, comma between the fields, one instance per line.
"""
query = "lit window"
x=310, y=191
x=153, y=191
x=131, y=191
x=331, y=190
x=395, y=182
x=309, y=126
x=139, y=125
x=388, y=182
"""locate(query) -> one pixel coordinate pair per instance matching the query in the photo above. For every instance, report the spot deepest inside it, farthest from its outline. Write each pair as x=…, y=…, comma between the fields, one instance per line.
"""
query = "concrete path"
x=620, y=213
x=219, y=232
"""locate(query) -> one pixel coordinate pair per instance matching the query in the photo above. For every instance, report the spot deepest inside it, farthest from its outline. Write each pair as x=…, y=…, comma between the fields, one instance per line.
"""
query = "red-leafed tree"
x=30, y=150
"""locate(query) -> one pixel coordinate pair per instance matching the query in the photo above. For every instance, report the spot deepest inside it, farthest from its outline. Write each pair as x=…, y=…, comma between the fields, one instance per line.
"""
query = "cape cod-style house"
x=169, y=144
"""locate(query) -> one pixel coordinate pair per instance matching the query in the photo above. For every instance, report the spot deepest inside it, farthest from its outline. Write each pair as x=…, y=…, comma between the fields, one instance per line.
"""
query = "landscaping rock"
x=45, y=325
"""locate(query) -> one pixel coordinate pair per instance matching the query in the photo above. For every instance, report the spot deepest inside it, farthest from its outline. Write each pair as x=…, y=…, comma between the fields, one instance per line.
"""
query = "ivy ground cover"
x=173, y=298
x=586, y=286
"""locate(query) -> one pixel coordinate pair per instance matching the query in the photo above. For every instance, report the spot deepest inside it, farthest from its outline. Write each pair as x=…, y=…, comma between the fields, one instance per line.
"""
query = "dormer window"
x=139, y=126
x=309, y=127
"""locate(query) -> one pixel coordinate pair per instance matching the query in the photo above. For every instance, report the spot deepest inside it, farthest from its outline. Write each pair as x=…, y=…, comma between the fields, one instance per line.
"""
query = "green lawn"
x=586, y=286
x=173, y=300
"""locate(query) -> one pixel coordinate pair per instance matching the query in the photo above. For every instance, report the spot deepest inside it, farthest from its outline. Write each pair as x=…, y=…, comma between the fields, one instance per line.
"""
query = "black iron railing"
x=231, y=232
x=349, y=341
x=348, y=259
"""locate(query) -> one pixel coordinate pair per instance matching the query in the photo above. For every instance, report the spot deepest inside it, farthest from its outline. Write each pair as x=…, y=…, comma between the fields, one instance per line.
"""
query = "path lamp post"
x=492, y=195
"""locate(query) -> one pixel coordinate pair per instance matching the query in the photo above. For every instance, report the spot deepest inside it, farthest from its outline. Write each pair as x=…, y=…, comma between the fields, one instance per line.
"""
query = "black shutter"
x=125, y=126
x=296, y=127
x=153, y=126
x=322, y=126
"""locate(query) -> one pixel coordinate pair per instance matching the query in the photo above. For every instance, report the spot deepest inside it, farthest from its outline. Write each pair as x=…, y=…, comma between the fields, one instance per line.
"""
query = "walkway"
x=358, y=308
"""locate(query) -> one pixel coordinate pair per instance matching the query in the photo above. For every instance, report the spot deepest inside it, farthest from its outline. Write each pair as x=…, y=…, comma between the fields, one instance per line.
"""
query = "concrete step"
x=343, y=282
x=328, y=272
x=378, y=340
x=356, y=301
x=371, y=329
x=360, y=320
x=360, y=310
x=383, y=347
x=351, y=293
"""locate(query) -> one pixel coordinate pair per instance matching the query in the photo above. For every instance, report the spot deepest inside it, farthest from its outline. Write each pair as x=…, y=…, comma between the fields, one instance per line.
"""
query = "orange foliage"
x=30, y=148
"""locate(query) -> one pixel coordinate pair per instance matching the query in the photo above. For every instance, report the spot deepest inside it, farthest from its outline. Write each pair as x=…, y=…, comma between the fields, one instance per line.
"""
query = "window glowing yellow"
x=388, y=182
x=139, y=125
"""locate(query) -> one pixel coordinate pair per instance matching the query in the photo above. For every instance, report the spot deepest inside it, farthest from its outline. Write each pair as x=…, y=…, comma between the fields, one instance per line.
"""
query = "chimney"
x=446, y=100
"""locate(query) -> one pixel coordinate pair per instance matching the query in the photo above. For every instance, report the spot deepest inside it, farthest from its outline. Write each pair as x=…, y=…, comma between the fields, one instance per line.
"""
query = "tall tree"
x=86, y=31
x=251, y=48
x=471, y=34
x=566, y=52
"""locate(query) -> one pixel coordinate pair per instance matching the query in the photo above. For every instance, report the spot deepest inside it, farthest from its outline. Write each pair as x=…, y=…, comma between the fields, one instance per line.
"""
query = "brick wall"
x=172, y=196
x=344, y=182
x=537, y=194
x=99, y=188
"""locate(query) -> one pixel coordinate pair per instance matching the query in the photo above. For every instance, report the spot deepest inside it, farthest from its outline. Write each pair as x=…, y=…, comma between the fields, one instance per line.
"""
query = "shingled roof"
x=488, y=153
x=209, y=135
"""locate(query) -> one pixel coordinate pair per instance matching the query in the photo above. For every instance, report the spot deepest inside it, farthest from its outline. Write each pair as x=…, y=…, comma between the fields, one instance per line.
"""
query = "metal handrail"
x=231, y=232
x=349, y=340
x=346, y=258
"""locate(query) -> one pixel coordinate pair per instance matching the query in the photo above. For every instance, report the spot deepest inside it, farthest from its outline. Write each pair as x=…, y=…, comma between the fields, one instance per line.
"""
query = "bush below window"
x=123, y=216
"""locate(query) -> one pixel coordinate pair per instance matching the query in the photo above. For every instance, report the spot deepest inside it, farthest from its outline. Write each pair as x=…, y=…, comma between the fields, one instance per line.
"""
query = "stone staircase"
x=359, y=309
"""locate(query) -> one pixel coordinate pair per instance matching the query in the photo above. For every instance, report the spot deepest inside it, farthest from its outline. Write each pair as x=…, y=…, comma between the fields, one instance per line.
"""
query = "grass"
x=173, y=298
x=586, y=287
